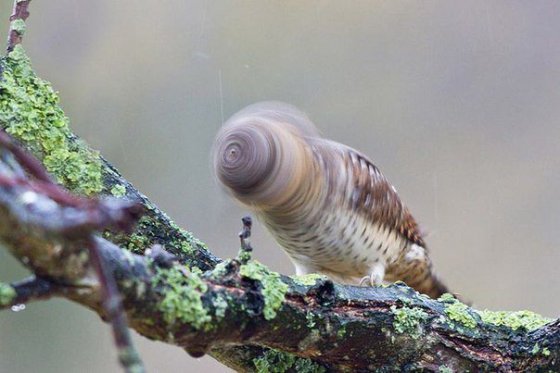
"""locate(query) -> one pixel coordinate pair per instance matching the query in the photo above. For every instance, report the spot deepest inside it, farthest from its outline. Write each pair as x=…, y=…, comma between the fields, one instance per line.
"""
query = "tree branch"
x=17, y=23
x=27, y=290
x=236, y=310
x=338, y=327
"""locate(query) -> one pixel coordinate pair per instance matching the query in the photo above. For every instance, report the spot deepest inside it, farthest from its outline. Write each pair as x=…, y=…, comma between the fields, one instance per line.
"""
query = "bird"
x=326, y=204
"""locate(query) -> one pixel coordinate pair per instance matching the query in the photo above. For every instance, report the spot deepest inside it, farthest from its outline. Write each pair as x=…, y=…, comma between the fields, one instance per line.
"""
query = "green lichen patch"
x=30, y=112
x=310, y=317
x=273, y=288
x=243, y=256
x=182, y=298
x=407, y=320
x=185, y=241
x=447, y=298
x=309, y=279
x=18, y=25
x=341, y=332
x=445, y=369
x=525, y=320
x=7, y=294
x=220, y=304
x=273, y=361
x=150, y=231
x=118, y=190
x=458, y=312
x=220, y=270
x=137, y=243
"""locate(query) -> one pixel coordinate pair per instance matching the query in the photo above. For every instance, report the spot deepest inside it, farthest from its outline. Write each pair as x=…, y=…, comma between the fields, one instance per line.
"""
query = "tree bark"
x=244, y=315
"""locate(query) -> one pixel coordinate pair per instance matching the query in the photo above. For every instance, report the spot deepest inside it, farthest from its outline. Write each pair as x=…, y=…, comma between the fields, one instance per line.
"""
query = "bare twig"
x=17, y=23
x=31, y=289
x=244, y=236
x=112, y=305
x=95, y=215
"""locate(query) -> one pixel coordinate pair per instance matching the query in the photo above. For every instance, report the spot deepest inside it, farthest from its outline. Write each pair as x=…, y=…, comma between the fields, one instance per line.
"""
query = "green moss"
x=407, y=320
x=545, y=351
x=7, y=294
x=18, y=25
x=30, y=112
x=526, y=320
x=458, y=311
x=118, y=190
x=445, y=369
x=182, y=298
x=309, y=279
x=273, y=361
x=274, y=289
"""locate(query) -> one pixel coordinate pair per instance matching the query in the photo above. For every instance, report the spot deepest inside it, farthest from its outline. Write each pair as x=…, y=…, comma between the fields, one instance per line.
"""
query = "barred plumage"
x=327, y=205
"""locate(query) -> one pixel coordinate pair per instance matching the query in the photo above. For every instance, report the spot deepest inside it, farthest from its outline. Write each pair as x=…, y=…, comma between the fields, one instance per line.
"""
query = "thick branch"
x=236, y=310
x=240, y=302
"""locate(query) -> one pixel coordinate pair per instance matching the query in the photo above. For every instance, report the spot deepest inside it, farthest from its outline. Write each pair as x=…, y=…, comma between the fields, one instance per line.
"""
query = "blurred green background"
x=457, y=103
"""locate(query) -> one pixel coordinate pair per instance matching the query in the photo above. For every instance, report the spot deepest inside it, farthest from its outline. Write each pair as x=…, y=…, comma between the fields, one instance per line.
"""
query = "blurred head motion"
x=262, y=156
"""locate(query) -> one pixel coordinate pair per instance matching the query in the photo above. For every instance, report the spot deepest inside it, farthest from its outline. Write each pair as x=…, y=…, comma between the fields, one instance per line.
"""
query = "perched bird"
x=327, y=205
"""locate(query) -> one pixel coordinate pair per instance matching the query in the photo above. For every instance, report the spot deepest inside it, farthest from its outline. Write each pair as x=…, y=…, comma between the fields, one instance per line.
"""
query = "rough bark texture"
x=238, y=311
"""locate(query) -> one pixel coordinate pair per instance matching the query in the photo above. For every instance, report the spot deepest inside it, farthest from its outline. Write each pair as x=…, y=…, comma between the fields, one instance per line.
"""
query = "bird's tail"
x=418, y=274
x=430, y=284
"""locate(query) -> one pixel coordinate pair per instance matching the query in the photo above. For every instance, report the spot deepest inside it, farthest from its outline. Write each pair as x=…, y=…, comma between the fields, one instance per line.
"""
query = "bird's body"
x=327, y=205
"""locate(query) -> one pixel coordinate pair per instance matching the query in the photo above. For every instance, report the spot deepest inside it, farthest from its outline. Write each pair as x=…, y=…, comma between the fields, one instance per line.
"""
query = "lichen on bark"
x=30, y=112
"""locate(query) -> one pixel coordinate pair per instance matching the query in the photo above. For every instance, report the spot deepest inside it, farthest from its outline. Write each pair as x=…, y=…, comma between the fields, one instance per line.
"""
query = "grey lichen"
x=220, y=305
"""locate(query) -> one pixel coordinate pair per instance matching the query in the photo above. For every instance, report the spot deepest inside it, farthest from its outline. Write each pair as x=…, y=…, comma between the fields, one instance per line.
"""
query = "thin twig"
x=98, y=215
x=112, y=305
x=17, y=23
x=26, y=160
x=244, y=236
x=32, y=288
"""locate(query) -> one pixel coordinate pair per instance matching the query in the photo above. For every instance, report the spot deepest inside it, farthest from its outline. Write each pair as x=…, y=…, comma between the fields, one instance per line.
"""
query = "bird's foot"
x=375, y=278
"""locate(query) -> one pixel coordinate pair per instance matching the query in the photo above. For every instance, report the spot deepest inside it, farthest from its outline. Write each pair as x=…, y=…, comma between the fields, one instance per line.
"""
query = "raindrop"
x=18, y=307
